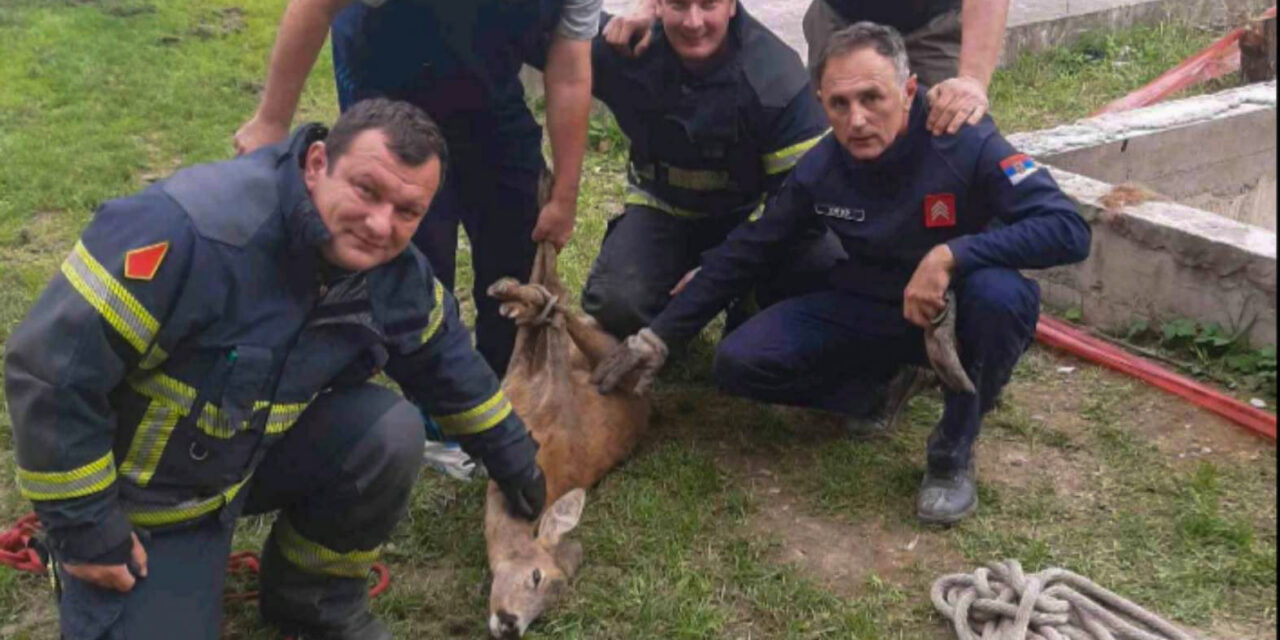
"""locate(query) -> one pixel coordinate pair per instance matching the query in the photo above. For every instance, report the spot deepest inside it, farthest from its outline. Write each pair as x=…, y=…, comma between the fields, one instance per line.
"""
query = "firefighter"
x=913, y=212
x=460, y=62
x=717, y=112
x=206, y=352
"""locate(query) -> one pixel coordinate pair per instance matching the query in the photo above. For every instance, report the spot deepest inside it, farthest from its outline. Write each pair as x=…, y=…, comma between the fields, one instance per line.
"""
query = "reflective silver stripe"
x=62, y=485
x=283, y=417
x=162, y=388
x=158, y=516
x=436, y=317
x=784, y=160
x=637, y=196
x=154, y=357
x=696, y=179
x=111, y=299
x=213, y=423
x=316, y=558
x=478, y=419
x=149, y=442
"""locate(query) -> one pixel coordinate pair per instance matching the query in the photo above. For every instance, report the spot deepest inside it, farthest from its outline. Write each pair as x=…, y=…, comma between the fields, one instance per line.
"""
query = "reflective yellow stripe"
x=697, y=180
x=484, y=417
x=282, y=416
x=61, y=485
x=149, y=442
x=436, y=318
x=316, y=558
x=783, y=160
x=158, y=516
x=161, y=388
x=638, y=196
x=154, y=357
x=110, y=298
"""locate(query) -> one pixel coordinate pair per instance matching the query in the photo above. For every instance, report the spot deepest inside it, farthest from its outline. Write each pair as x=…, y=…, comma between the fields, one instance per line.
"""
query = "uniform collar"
x=303, y=225
x=904, y=149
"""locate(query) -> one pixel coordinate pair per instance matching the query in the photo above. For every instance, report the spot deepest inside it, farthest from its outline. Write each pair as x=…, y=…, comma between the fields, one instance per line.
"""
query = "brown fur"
x=582, y=435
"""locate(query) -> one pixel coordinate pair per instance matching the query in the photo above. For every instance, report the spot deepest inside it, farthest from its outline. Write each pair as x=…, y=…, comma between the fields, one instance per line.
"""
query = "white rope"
x=1000, y=602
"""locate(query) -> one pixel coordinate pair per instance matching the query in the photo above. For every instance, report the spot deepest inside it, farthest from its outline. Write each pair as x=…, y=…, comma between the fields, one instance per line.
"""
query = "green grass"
x=101, y=96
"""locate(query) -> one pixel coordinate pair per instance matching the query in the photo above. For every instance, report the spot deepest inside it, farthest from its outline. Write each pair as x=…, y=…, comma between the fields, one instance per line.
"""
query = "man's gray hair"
x=885, y=40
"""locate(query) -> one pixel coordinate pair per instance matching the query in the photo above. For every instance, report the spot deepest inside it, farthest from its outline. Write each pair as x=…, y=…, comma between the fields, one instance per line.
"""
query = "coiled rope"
x=1000, y=602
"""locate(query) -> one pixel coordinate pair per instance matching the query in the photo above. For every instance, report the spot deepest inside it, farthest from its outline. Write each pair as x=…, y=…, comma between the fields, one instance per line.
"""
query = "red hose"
x=1059, y=335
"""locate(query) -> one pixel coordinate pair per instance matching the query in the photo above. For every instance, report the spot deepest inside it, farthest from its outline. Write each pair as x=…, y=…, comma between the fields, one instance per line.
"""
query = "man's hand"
x=644, y=352
x=684, y=282
x=258, y=132
x=116, y=577
x=555, y=223
x=925, y=295
x=622, y=31
x=526, y=492
x=956, y=102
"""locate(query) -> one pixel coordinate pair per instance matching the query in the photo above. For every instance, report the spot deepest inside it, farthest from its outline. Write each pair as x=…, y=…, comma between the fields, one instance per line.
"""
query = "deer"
x=582, y=435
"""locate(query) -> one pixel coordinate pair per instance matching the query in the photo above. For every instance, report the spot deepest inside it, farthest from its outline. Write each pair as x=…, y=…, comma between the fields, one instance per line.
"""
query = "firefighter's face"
x=867, y=103
x=370, y=200
x=697, y=29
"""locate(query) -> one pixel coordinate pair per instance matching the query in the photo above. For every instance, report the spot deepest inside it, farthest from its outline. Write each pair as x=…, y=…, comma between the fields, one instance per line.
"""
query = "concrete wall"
x=1162, y=260
x=1214, y=152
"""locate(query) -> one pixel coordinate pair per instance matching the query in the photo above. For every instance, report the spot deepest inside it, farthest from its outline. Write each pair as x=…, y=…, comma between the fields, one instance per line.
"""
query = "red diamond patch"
x=939, y=210
x=142, y=264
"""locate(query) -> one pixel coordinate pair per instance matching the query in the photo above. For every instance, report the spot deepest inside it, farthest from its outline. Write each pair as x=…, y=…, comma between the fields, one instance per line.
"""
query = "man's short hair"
x=885, y=40
x=412, y=136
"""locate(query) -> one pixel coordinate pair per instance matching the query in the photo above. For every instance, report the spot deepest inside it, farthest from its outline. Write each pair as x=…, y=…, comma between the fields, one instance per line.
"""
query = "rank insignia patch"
x=939, y=210
x=142, y=264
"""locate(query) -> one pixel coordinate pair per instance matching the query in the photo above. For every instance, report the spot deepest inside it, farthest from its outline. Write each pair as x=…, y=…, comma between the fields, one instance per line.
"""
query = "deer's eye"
x=537, y=577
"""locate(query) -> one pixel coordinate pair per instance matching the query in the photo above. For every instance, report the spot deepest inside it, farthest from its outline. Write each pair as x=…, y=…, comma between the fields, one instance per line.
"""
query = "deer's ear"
x=560, y=518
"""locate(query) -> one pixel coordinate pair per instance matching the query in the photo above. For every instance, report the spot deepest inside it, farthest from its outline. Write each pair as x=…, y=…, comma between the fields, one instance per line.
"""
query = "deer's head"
x=531, y=571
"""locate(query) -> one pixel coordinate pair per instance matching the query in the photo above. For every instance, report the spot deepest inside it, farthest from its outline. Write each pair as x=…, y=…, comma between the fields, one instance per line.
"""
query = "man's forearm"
x=982, y=34
x=303, y=29
x=568, y=88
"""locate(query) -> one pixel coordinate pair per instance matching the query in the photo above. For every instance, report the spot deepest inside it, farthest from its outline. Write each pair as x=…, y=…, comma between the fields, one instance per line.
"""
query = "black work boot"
x=947, y=497
x=308, y=606
x=884, y=416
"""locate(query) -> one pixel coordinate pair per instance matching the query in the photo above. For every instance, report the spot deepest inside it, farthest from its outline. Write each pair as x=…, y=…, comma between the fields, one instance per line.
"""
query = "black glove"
x=526, y=492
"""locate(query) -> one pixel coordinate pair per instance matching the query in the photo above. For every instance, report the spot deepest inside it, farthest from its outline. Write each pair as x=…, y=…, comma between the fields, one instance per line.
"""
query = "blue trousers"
x=341, y=477
x=829, y=350
x=490, y=187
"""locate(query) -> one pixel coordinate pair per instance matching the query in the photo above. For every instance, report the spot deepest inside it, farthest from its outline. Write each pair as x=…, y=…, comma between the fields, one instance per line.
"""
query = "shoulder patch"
x=144, y=263
x=227, y=201
x=1019, y=167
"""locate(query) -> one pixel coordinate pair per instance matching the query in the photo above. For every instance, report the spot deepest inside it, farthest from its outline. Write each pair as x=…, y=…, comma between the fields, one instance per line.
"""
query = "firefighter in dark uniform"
x=206, y=353
x=718, y=111
x=917, y=215
x=460, y=62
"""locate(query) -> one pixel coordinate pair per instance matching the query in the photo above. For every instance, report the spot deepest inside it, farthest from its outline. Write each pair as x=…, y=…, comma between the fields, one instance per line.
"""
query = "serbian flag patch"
x=939, y=210
x=1018, y=167
x=143, y=263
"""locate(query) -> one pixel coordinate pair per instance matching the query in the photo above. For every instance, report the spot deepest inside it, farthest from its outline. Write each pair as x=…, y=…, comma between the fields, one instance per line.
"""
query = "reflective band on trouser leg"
x=437, y=313
x=785, y=159
x=316, y=558
x=110, y=298
x=159, y=516
x=149, y=442
x=62, y=485
x=481, y=418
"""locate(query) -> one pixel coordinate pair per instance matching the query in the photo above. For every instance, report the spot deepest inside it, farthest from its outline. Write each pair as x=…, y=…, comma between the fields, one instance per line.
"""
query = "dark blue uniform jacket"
x=191, y=326
x=904, y=15
x=993, y=206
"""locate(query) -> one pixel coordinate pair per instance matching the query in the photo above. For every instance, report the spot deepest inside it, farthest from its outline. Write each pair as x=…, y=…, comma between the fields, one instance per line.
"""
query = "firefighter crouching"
x=206, y=352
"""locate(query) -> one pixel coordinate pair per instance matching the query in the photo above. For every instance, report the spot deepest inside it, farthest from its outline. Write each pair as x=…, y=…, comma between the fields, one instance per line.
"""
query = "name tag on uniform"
x=841, y=213
x=939, y=210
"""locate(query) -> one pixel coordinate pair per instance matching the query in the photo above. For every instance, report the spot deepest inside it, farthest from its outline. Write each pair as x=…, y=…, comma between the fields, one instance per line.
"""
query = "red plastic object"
x=15, y=546
x=1057, y=334
x=1216, y=60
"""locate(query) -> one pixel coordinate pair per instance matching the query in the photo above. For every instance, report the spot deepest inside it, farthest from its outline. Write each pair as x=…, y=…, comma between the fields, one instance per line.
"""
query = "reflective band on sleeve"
x=783, y=161
x=697, y=180
x=436, y=318
x=62, y=485
x=159, y=516
x=316, y=558
x=149, y=441
x=638, y=196
x=282, y=416
x=154, y=357
x=482, y=418
x=110, y=298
